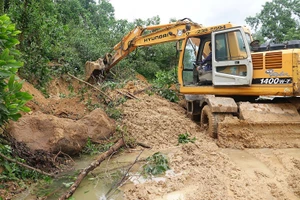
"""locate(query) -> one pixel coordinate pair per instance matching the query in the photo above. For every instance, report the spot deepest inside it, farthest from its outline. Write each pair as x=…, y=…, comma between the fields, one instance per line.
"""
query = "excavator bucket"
x=94, y=71
x=261, y=126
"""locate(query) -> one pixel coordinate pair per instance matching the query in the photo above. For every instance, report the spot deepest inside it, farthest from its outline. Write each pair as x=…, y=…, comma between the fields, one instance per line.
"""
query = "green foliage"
x=13, y=171
x=258, y=36
x=156, y=164
x=147, y=61
x=146, y=68
x=92, y=149
x=12, y=100
x=66, y=34
x=185, y=138
x=279, y=19
x=113, y=112
x=163, y=83
x=110, y=85
x=39, y=40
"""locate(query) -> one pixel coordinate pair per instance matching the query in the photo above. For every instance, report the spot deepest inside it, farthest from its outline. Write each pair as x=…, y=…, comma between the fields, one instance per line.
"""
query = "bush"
x=163, y=83
x=156, y=164
x=12, y=100
x=185, y=138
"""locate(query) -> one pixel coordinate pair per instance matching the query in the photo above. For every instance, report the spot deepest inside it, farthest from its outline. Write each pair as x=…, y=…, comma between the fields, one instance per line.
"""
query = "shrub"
x=163, y=83
x=12, y=100
x=156, y=164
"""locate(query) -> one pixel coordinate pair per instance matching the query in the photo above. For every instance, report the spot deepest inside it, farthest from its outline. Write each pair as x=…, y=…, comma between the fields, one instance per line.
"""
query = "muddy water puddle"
x=100, y=184
x=105, y=179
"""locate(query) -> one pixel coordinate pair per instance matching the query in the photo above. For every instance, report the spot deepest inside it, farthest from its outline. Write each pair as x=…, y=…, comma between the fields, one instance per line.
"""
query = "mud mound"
x=67, y=99
x=156, y=122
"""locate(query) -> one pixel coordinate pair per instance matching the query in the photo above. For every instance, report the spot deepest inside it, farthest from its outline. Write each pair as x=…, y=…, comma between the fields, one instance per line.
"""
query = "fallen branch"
x=26, y=166
x=112, y=190
x=124, y=94
x=90, y=85
x=121, y=167
x=132, y=95
x=84, y=172
x=60, y=152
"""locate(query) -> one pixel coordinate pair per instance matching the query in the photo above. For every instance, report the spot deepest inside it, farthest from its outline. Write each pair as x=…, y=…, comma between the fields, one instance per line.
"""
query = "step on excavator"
x=250, y=96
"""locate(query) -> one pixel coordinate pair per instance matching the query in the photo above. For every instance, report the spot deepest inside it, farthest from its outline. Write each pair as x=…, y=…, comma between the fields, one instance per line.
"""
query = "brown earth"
x=200, y=170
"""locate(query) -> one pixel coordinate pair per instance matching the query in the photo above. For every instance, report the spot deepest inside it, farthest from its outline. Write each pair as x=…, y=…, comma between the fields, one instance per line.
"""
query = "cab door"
x=231, y=58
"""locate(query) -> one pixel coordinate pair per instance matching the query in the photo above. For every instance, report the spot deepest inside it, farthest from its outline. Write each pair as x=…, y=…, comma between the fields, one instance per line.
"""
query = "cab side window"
x=230, y=46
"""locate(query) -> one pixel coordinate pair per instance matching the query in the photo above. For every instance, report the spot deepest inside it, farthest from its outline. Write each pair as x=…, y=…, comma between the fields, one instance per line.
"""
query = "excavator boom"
x=138, y=37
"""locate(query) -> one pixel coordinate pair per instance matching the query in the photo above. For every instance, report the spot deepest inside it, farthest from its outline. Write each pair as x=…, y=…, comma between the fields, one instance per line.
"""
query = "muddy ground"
x=200, y=170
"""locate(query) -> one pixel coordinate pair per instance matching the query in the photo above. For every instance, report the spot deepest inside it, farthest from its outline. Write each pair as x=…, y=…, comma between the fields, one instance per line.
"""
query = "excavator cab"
x=231, y=59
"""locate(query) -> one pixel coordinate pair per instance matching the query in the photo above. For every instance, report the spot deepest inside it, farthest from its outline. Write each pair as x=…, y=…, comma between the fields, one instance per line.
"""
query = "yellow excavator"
x=249, y=98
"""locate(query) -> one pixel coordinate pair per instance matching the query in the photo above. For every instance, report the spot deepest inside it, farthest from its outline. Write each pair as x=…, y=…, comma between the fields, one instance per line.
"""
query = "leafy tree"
x=69, y=11
x=63, y=33
x=1, y=7
x=41, y=33
x=102, y=15
x=12, y=100
x=279, y=20
x=59, y=36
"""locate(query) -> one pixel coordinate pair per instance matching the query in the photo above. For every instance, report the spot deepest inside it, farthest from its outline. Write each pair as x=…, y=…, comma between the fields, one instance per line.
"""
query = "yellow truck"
x=250, y=95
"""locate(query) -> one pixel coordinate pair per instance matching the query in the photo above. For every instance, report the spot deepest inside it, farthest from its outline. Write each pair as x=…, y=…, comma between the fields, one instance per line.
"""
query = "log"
x=84, y=172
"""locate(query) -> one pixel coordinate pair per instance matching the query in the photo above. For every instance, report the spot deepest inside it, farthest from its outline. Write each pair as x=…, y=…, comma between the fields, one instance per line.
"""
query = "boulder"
x=52, y=134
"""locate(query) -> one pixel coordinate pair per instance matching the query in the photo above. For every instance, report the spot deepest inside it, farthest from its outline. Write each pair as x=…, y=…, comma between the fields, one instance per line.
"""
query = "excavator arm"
x=138, y=37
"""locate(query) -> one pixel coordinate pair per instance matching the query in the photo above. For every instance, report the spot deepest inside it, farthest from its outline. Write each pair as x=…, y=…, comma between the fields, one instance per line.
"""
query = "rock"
x=52, y=134
x=99, y=125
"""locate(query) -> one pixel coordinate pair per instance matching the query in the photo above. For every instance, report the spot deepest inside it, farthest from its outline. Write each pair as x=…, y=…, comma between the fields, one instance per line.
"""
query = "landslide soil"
x=200, y=170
